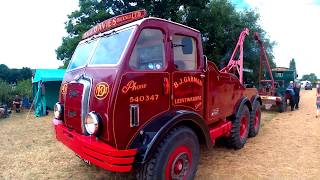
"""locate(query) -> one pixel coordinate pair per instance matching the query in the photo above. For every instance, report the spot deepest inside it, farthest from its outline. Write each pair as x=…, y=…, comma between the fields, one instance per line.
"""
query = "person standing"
x=296, y=90
x=318, y=99
x=291, y=95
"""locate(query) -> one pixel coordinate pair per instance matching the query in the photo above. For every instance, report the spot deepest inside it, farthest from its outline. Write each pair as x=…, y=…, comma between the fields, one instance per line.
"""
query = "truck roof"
x=126, y=20
x=174, y=23
x=138, y=22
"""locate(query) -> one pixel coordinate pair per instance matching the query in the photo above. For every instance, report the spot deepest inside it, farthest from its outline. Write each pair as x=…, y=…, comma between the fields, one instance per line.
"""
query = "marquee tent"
x=46, y=87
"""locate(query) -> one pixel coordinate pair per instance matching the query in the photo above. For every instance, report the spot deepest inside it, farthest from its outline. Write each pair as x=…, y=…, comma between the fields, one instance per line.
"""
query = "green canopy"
x=45, y=75
x=40, y=101
x=46, y=87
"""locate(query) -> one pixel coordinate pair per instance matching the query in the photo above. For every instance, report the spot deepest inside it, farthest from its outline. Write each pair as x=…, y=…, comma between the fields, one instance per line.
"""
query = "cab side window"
x=148, y=53
x=184, y=50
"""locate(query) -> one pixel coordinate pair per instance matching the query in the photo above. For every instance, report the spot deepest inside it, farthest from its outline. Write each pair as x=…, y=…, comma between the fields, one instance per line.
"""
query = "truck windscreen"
x=110, y=48
x=81, y=54
x=104, y=50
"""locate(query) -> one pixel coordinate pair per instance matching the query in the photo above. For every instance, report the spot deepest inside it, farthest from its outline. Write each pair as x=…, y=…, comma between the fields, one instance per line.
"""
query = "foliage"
x=292, y=65
x=310, y=77
x=24, y=88
x=4, y=71
x=14, y=75
x=90, y=13
x=5, y=92
x=218, y=20
x=8, y=91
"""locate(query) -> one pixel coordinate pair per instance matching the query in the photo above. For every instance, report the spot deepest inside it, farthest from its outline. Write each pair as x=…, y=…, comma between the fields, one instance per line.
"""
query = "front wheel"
x=176, y=157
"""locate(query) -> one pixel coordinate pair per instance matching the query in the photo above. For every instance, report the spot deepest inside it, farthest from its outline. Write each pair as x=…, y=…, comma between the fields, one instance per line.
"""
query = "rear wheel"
x=176, y=157
x=255, y=119
x=240, y=129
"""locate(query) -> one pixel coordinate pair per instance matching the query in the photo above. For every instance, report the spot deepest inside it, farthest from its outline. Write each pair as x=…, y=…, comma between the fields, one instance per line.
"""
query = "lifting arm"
x=264, y=62
x=235, y=65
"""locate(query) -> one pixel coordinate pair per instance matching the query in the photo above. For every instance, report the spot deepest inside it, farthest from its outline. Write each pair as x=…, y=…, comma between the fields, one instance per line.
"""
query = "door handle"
x=166, y=86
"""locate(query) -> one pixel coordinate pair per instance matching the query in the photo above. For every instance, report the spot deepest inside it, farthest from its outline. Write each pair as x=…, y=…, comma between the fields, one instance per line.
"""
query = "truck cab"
x=134, y=83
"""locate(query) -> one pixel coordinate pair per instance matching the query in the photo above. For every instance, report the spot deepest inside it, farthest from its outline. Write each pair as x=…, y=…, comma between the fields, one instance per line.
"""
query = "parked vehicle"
x=139, y=95
x=308, y=86
x=303, y=83
x=282, y=77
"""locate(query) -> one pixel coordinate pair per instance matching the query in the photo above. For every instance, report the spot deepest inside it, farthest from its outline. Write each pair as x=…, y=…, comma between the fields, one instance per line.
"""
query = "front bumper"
x=95, y=151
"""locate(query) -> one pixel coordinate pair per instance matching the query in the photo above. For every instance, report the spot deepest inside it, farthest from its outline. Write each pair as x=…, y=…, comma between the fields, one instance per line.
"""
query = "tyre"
x=240, y=129
x=255, y=119
x=176, y=157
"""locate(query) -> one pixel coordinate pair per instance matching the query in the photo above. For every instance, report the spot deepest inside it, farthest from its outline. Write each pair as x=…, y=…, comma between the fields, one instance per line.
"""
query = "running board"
x=220, y=129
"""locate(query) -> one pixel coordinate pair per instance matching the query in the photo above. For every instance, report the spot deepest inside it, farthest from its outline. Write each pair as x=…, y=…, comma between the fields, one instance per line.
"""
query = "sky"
x=32, y=30
x=295, y=26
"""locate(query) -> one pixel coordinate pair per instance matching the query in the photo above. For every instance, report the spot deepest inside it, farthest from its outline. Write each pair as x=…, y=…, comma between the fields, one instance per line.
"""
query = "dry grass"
x=29, y=150
x=287, y=147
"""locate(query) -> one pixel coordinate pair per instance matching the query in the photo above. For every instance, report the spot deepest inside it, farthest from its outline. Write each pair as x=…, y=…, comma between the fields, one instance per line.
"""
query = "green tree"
x=24, y=88
x=14, y=75
x=5, y=92
x=218, y=20
x=292, y=65
x=4, y=70
x=8, y=91
x=310, y=77
x=25, y=73
x=92, y=12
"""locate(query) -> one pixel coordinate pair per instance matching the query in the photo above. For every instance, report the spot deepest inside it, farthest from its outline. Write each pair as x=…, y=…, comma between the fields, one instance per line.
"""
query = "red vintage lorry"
x=139, y=95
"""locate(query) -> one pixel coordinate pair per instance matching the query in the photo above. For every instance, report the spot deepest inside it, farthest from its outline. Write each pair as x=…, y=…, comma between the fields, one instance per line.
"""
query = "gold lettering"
x=187, y=100
x=176, y=85
x=133, y=86
x=187, y=79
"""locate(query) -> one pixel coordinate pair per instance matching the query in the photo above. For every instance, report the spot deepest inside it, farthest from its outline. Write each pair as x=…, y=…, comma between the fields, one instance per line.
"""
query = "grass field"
x=29, y=150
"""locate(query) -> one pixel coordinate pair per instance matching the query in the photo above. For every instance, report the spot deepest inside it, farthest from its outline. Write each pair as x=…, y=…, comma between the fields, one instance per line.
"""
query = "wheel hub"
x=180, y=166
x=256, y=120
x=243, y=127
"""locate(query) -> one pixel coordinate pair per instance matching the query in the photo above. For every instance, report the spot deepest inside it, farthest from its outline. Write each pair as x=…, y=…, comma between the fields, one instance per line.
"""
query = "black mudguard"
x=243, y=101
x=153, y=133
x=256, y=98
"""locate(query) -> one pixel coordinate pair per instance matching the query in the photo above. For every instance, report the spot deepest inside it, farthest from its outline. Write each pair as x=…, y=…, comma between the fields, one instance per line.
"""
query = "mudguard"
x=243, y=101
x=256, y=98
x=153, y=133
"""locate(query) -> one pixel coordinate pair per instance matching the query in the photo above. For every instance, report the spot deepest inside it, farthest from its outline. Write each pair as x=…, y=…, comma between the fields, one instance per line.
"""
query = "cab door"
x=144, y=88
x=187, y=77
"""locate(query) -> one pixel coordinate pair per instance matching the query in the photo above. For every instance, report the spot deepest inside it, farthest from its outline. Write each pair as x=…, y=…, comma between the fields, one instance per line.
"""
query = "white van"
x=303, y=83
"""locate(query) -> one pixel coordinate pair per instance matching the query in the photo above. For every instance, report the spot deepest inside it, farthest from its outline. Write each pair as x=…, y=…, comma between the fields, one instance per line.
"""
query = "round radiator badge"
x=101, y=90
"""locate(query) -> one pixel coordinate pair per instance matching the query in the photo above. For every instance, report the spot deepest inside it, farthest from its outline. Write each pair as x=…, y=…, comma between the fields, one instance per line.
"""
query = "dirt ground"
x=287, y=147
